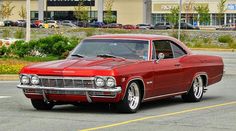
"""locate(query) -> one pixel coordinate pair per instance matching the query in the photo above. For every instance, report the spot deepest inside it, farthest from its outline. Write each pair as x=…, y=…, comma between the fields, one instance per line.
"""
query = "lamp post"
x=27, y=21
x=180, y=10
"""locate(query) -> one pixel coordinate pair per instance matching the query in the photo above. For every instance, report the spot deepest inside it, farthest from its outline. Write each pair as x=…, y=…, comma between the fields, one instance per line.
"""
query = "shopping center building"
x=127, y=11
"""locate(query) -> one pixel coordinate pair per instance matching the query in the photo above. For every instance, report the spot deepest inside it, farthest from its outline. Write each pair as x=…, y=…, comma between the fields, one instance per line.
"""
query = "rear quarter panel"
x=194, y=65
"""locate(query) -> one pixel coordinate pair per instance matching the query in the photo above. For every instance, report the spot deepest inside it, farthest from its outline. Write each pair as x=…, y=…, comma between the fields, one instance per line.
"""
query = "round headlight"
x=35, y=80
x=99, y=82
x=110, y=82
x=25, y=80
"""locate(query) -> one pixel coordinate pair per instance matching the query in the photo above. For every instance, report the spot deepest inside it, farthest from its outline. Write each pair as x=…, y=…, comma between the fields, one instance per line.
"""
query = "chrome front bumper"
x=115, y=90
x=112, y=90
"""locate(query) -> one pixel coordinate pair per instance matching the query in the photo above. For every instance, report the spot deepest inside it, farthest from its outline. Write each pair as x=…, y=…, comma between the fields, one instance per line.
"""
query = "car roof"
x=131, y=36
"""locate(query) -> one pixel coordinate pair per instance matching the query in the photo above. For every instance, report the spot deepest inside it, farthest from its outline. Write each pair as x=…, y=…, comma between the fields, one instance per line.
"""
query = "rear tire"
x=196, y=92
x=41, y=105
x=131, y=101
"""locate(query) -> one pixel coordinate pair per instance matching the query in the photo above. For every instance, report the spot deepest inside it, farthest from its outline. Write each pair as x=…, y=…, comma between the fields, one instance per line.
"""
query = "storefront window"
x=230, y=18
x=216, y=20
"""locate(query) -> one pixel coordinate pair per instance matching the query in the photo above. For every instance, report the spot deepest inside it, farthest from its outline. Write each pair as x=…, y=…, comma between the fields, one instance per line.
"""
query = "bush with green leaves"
x=19, y=34
x=19, y=49
x=3, y=50
x=55, y=45
x=225, y=39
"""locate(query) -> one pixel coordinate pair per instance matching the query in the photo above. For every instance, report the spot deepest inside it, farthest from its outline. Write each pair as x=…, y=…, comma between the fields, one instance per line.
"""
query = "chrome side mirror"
x=160, y=57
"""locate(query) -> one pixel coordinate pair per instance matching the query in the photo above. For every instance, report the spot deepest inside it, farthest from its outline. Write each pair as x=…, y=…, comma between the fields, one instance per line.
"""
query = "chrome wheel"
x=198, y=87
x=196, y=92
x=133, y=96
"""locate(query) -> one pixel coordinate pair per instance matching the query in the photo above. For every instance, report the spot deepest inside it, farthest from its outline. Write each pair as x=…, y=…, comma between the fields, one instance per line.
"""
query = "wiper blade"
x=109, y=56
x=78, y=55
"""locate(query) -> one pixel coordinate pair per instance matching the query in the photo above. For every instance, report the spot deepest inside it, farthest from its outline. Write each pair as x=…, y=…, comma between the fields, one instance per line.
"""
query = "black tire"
x=125, y=105
x=41, y=105
x=196, y=92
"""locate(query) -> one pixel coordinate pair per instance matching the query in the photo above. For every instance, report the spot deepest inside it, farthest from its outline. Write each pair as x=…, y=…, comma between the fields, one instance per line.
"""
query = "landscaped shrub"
x=55, y=45
x=225, y=39
x=20, y=49
x=3, y=50
x=6, y=33
x=19, y=34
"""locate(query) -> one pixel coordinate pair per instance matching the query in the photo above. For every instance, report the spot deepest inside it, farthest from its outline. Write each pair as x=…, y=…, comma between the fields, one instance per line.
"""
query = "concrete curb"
x=214, y=49
x=7, y=77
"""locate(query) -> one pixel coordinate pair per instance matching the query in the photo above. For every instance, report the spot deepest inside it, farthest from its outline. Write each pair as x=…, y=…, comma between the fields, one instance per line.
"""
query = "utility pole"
x=28, y=21
x=180, y=10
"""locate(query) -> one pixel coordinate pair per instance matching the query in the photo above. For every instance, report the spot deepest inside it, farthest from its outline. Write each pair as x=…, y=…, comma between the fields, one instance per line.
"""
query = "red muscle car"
x=122, y=69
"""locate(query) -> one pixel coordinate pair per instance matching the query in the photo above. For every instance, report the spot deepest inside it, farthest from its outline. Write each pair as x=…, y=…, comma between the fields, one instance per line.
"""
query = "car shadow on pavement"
x=111, y=109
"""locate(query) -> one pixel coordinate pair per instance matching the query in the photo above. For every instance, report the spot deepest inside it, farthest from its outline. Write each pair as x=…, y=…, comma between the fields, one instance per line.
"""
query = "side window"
x=163, y=46
x=178, y=51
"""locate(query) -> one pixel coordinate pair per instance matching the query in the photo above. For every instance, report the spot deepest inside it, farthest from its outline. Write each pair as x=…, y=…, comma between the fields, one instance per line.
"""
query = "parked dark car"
x=97, y=24
x=81, y=23
x=113, y=25
x=163, y=26
x=20, y=23
x=145, y=26
x=9, y=23
x=187, y=26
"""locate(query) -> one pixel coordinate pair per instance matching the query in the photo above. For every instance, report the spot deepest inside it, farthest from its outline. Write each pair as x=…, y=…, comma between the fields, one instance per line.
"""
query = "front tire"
x=196, y=92
x=131, y=101
x=41, y=105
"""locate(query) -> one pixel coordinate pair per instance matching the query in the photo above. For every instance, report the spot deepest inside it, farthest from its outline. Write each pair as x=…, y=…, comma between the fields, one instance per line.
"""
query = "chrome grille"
x=67, y=82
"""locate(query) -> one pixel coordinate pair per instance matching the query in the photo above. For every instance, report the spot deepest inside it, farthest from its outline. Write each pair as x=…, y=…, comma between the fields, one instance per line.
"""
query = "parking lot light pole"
x=180, y=10
x=28, y=21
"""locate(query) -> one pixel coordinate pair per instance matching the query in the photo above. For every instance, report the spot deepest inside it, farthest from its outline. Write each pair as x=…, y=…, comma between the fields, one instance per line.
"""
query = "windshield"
x=129, y=49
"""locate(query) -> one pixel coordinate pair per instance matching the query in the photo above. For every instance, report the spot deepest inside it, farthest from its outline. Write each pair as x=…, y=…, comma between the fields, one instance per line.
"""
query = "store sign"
x=231, y=7
x=70, y=2
x=167, y=7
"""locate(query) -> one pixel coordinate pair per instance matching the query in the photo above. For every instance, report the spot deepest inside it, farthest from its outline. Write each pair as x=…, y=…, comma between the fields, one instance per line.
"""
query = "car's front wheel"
x=196, y=92
x=131, y=101
x=41, y=105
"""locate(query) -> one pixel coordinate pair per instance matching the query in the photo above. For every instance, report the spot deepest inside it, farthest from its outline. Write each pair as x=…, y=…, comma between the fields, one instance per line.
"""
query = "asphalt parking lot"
x=216, y=112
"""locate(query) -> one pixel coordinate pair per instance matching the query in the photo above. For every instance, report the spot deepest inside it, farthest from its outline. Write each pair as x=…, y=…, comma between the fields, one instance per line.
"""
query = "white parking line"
x=2, y=97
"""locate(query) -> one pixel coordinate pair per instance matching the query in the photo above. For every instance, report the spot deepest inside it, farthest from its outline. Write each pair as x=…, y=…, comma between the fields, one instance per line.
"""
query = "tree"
x=189, y=8
x=81, y=12
x=22, y=12
x=173, y=17
x=108, y=16
x=6, y=10
x=204, y=16
x=221, y=10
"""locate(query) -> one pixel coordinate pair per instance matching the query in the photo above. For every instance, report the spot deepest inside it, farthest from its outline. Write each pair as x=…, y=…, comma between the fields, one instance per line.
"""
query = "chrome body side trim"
x=172, y=94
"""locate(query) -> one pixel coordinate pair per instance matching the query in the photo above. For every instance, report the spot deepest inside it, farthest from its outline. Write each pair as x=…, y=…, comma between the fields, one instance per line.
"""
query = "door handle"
x=177, y=64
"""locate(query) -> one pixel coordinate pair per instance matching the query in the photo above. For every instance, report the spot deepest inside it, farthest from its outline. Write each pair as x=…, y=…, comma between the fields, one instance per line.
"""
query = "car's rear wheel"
x=196, y=92
x=131, y=101
x=41, y=105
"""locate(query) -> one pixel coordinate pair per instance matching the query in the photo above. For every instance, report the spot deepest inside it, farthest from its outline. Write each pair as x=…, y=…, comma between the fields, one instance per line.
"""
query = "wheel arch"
x=141, y=85
x=204, y=77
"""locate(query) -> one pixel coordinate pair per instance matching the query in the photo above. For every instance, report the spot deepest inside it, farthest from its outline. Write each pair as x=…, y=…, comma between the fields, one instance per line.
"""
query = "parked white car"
x=1, y=24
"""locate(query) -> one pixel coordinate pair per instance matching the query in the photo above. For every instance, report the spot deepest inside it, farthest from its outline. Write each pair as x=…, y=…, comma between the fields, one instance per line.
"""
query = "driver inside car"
x=141, y=51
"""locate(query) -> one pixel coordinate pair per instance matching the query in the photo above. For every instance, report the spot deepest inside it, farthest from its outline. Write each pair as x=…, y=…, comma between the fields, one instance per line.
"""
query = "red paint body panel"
x=158, y=78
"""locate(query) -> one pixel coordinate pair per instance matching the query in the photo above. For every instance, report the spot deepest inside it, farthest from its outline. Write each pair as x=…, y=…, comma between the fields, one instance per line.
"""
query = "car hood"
x=77, y=67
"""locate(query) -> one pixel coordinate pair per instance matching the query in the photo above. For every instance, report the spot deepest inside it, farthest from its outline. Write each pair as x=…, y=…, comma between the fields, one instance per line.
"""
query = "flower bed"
x=12, y=66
